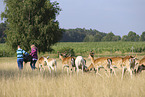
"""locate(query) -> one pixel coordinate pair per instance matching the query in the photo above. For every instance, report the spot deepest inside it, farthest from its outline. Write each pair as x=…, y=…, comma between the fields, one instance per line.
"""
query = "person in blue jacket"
x=20, y=54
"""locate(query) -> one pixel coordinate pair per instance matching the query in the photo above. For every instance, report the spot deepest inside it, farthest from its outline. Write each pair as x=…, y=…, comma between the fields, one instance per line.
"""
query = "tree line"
x=85, y=35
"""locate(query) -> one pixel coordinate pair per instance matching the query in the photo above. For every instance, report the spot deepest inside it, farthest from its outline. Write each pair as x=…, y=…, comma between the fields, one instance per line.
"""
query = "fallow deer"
x=49, y=62
x=68, y=62
x=80, y=63
x=128, y=63
x=104, y=62
x=140, y=65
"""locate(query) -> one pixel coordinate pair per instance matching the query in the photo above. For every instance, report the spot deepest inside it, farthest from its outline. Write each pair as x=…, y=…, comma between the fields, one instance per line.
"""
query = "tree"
x=125, y=38
x=89, y=38
x=3, y=27
x=142, y=37
x=108, y=37
x=97, y=37
x=132, y=36
x=86, y=39
x=116, y=38
x=32, y=22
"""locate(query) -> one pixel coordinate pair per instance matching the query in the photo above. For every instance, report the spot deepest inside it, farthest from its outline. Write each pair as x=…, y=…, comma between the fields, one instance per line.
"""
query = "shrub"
x=67, y=51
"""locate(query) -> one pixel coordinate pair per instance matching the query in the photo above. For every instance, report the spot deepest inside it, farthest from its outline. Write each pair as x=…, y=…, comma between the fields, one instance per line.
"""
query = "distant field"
x=100, y=48
x=28, y=83
x=105, y=48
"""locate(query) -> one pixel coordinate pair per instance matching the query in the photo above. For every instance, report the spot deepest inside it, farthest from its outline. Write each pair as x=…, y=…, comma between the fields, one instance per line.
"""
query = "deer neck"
x=92, y=60
x=61, y=57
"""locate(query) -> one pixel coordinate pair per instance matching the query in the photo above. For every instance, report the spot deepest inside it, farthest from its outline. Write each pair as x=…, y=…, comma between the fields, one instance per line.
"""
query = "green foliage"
x=3, y=27
x=125, y=38
x=108, y=37
x=32, y=22
x=84, y=35
x=67, y=51
x=132, y=36
x=116, y=38
x=89, y=38
x=5, y=51
x=142, y=37
x=80, y=35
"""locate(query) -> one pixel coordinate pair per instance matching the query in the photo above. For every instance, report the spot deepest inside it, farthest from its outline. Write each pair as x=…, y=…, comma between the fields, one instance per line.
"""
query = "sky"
x=116, y=16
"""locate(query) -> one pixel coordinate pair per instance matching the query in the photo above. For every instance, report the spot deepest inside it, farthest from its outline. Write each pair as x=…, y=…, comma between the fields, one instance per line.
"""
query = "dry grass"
x=28, y=83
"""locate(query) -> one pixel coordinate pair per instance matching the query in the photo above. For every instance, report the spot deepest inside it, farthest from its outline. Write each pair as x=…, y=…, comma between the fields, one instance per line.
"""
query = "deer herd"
x=127, y=63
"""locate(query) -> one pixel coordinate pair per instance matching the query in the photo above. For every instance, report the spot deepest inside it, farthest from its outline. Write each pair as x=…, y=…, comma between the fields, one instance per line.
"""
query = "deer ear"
x=91, y=51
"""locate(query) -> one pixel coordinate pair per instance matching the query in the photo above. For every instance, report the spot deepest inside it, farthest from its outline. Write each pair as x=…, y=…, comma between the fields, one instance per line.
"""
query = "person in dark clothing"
x=34, y=56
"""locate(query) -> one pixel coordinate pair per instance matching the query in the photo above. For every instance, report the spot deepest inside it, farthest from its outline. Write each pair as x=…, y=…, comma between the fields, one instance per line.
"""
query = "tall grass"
x=28, y=83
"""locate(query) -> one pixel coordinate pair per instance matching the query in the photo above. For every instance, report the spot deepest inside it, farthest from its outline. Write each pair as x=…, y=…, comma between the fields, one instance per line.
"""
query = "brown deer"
x=68, y=62
x=128, y=63
x=140, y=65
x=98, y=63
x=116, y=62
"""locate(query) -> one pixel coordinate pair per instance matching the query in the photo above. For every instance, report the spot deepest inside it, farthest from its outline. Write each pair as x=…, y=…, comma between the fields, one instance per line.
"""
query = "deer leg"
x=40, y=67
x=122, y=72
x=107, y=70
x=63, y=68
x=67, y=70
x=55, y=68
x=77, y=69
x=113, y=70
x=130, y=71
x=98, y=72
x=49, y=68
x=71, y=69
x=82, y=68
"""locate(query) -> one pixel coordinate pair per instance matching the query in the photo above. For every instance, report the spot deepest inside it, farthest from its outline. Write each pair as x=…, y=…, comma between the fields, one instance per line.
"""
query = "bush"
x=67, y=51
x=5, y=51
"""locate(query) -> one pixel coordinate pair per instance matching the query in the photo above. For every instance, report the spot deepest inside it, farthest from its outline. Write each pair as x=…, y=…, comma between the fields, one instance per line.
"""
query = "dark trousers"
x=32, y=64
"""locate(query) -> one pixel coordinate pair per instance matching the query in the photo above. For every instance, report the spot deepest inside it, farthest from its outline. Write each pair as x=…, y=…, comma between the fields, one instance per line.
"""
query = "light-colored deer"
x=49, y=62
x=80, y=63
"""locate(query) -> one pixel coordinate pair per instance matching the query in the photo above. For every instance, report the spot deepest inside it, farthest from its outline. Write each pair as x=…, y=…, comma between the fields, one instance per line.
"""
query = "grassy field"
x=28, y=83
x=101, y=47
x=83, y=48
